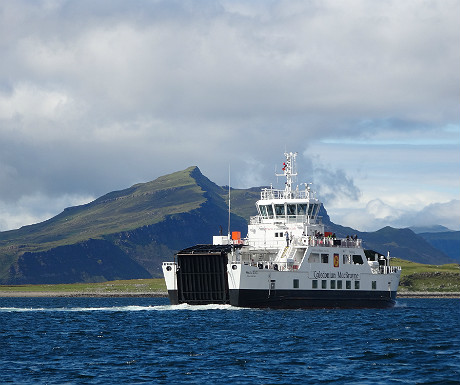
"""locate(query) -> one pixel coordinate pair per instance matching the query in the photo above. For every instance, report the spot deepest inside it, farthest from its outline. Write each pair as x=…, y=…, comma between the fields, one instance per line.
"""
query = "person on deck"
x=286, y=234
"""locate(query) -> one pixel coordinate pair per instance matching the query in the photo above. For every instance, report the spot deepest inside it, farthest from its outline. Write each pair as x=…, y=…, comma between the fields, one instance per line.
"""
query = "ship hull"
x=295, y=299
x=311, y=299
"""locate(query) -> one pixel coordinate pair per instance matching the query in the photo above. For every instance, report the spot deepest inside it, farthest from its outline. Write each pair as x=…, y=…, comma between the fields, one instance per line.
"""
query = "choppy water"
x=145, y=340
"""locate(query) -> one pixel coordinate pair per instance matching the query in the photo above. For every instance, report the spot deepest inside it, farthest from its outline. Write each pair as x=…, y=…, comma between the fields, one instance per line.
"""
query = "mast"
x=289, y=171
x=228, y=235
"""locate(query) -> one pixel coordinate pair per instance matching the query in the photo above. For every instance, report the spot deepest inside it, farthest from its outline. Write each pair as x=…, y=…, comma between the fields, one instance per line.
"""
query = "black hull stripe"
x=302, y=299
x=310, y=299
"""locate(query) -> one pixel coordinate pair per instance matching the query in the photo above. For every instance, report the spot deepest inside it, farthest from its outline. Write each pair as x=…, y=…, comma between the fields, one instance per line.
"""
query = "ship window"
x=348, y=284
x=270, y=211
x=332, y=284
x=324, y=258
x=324, y=284
x=345, y=259
x=301, y=209
x=313, y=258
x=313, y=210
x=339, y=284
x=314, y=284
x=374, y=285
x=279, y=209
x=290, y=209
x=356, y=285
x=295, y=283
x=276, y=235
x=263, y=211
x=358, y=259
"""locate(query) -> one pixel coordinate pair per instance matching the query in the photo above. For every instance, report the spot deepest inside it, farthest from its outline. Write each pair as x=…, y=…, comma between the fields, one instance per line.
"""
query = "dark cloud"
x=335, y=184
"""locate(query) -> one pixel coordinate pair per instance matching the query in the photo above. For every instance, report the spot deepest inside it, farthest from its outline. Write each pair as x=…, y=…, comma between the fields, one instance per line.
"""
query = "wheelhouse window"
x=263, y=211
x=313, y=210
x=295, y=283
x=291, y=210
x=279, y=210
x=301, y=209
x=266, y=211
x=270, y=211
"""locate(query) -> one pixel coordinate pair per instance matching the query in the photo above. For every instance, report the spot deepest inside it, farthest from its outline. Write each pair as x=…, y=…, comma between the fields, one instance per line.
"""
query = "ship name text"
x=338, y=274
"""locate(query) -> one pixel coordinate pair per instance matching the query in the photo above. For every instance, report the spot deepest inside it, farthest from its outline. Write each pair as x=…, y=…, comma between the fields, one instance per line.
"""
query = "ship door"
x=271, y=290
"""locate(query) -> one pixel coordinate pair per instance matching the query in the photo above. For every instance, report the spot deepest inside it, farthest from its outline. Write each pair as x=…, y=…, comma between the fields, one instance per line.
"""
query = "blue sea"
x=148, y=341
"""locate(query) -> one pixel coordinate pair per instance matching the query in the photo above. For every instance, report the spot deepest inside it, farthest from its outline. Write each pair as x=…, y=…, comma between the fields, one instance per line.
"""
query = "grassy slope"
x=122, y=286
x=140, y=205
x=243, y=201
x=434, y=278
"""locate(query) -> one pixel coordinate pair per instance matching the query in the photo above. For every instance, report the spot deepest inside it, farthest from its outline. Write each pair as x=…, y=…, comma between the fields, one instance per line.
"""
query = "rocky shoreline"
x=95, y=294
x=427, y=294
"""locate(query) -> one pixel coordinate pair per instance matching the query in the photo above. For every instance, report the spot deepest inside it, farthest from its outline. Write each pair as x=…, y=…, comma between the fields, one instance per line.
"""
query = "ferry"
x=287, y=260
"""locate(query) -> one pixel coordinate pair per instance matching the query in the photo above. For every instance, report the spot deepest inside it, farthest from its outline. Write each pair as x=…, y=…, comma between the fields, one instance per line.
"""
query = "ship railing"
x=330, y=242
x=285, y=219
x=389, y=269
x=309, y=241
x=258, y=219
x=265, y=264
x=269, y=193
x=277, y=266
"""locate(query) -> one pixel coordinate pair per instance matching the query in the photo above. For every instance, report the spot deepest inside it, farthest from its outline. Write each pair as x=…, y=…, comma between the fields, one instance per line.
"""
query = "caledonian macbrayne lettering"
x=339, y=274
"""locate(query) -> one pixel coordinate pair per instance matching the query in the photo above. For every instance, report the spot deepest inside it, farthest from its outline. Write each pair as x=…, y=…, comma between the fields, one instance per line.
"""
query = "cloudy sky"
x=98, y=95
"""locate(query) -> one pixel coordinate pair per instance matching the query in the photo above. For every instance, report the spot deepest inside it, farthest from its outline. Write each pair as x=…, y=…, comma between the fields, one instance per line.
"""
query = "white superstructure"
x=286, y=260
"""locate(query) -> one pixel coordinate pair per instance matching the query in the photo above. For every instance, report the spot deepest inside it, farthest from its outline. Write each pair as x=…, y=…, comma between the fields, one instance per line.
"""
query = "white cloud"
x=378, y=214
x=36, y=208
x=31, y=103
x=96, y=96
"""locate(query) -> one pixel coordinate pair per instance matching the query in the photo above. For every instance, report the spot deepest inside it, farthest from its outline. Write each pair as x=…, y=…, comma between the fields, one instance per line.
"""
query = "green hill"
x=432, y=278
x=123, y=234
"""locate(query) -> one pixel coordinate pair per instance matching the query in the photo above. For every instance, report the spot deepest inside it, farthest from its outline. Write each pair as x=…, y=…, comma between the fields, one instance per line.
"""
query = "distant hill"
x=448, y=242
x=430, y=229
x=128, y=233
x=401, y=243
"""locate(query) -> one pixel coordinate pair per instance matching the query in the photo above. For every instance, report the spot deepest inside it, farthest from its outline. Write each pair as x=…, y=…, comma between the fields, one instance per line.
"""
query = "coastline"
x=95, y=294
x=427, y=294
